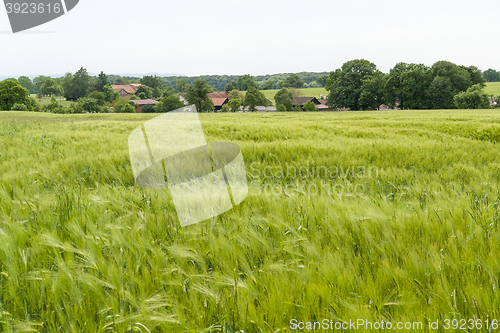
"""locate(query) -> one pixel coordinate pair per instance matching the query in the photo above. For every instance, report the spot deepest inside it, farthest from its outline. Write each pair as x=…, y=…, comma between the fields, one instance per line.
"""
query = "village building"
x=141, y=103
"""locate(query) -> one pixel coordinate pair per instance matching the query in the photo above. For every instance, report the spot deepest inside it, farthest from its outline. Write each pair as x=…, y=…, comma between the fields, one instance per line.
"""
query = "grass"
x=403, y=226
x=492, y=88
x=46, y=100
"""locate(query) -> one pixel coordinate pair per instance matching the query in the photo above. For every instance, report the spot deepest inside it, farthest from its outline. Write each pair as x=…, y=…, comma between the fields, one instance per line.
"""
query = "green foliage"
x=76, y=86
x=99, y=96
x=269, y=84
x=90, y=105
x=476, y=76
x=296, y=108
x=169, y=103
x=181, y=84
x=101, y=81
x=19, y=107
x=152, y=81
x=148, y=109
x=459, y=76
x=144, y=92
x=491, y=75
x=345, y=85
x=473, y=98
x=373, y=91
x=27, y=83
x=322, y=80
x=292, y=81
x=51, y=88
x=407, y=86
x=121, y=81
x=225, y=108
x=440, y=95
x=196, y=94
x=285, y=98
x=253, y=98
x=53, y=106
x=156, y=93
x=167, y=91
x=38, y=82
x=35, y=106
x=110, y=93
x=281, y=108
x=122, y=105
x=230, y=87
x=236, y=94
x=12, y=92
x=309, y=106
x=246, y=81
x=235, y=104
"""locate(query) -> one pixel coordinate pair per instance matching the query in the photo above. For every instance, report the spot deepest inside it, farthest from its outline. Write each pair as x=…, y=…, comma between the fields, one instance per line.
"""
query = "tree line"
x=359, y=85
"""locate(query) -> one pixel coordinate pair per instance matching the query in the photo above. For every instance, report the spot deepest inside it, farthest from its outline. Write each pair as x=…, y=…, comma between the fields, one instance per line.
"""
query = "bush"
x=473, y=98
x=121, y=105
x=35, y=105
x=148, y=109
x=310, y=106
x=19, y=107
x=235, y=104
x=90, y=104
x=51, y=106
x=280, y=108
x=296, y=108
x=61, y=110
x=75, y=108
x=225, y=108
x=169, y=103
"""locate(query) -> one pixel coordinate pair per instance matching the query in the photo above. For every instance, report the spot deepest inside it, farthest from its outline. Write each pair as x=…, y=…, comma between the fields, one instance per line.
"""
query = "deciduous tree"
x=12, y=92
x=197, y=94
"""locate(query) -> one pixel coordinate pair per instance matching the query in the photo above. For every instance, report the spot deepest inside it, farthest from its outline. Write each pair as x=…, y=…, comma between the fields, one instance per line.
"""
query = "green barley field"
x=375, y=216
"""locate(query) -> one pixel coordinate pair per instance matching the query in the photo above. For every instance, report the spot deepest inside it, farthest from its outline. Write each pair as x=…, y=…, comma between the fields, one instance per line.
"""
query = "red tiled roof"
x=217, y=95
x=323, y=101
x=145, y=102
x=218, y=101
x=129, y=89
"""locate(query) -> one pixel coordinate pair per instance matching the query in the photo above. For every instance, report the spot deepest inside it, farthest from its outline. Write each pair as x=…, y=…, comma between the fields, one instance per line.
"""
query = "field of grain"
x=381, y=216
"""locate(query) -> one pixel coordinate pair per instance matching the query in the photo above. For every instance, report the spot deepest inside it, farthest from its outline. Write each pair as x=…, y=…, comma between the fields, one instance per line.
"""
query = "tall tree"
x=38, y=81
x=27, y=83
x=12, y=92
x=284, y=97
x=440, y=94
x=102, y=80
x=253, y=98
x=152, y=81
x=50, y=88
x=491, y=75
x=345, y=84
x=407, y=86
x=373, y=91
x=292, y=81
x=197, y=94
x=322, y=80
x=246, y=81
x=181, y=84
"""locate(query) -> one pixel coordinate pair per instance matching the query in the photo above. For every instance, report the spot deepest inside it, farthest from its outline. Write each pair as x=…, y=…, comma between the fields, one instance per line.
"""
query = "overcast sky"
x=196, y=37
